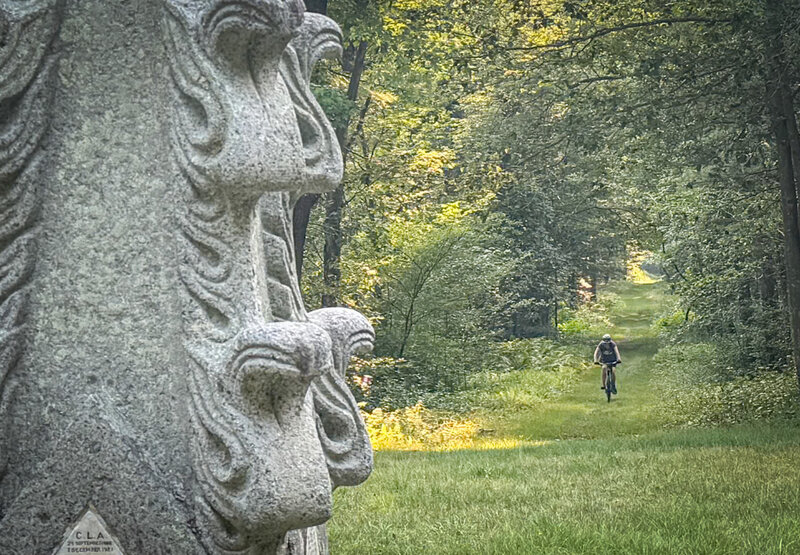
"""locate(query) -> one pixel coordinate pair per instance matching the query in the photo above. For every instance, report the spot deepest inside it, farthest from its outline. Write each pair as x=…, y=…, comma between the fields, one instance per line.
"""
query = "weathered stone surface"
x=156, y=358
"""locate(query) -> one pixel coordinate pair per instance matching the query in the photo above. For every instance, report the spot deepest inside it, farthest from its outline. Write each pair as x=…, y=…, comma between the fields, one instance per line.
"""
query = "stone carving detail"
x=341, y=430
x=27, y=68
x=276, y=428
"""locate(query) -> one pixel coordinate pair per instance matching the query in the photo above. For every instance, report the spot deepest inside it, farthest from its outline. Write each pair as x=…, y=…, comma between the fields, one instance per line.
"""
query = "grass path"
x=589, y=477
x=583, y=412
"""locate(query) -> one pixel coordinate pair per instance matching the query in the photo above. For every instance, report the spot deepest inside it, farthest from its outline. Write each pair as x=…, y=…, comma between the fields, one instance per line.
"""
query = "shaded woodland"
x=506, y=159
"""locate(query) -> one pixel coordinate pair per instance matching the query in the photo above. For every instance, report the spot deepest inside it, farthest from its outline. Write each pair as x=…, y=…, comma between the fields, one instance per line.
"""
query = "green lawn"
x=588, y=477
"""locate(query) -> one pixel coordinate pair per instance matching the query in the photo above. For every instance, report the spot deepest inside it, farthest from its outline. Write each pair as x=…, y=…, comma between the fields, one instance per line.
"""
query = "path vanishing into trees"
x=583, y=412
x=588, y=476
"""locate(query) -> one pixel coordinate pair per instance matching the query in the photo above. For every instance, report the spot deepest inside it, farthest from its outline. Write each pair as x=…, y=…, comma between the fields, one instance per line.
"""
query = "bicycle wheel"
x=609, y=383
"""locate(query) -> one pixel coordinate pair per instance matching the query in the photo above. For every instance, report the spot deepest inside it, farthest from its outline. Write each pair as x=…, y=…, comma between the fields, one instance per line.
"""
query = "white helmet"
x=606, y=337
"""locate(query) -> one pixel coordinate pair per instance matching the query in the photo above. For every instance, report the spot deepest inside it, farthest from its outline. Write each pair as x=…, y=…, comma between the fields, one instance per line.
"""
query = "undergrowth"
x=523, y=374
x=420, y=429
x=591, y=318
x=701, y=391
x=532, y=371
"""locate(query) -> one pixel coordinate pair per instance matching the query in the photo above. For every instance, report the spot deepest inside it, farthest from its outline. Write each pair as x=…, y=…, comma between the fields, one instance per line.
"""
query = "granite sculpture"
x=157, y=362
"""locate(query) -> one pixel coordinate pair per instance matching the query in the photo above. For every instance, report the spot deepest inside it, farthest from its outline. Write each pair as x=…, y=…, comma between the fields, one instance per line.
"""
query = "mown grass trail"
x=583, y=413
x=588, y=477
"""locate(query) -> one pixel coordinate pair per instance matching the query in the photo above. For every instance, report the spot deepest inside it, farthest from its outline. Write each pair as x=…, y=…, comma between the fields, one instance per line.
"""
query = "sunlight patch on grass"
x=493, y=444
x=640, y=277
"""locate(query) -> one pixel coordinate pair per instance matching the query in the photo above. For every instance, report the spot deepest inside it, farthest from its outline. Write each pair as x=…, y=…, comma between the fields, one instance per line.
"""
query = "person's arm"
x=597, y=354
x=616, y=350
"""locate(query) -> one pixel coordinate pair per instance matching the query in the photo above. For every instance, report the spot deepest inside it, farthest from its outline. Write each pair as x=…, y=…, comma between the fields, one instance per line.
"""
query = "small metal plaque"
x=90, y=535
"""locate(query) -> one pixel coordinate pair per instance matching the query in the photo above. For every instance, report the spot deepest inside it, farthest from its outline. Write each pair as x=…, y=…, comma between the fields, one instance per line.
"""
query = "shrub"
x=590, y=319
x=524, y=373
x=671, y=323
x=418, y=428
x=703, y=391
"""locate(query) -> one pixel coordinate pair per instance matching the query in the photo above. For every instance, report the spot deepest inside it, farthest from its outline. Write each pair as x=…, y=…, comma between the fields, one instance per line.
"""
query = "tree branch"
x=609, y=30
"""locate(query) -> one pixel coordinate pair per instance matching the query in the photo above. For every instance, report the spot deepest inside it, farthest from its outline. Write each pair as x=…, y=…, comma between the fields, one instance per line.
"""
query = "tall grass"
x=528, y=372
x=522, y=375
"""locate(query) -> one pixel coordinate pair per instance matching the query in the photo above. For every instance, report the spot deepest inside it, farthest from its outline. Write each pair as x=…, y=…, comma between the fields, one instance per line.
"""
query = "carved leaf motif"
x=230, y=467
x=253, y=351
x=28, y=30
x=318, y=37
x=241, y=467
x=203, y=116
x=204, y=281
x=200, y=120
x=341, y=430
x=278, y=19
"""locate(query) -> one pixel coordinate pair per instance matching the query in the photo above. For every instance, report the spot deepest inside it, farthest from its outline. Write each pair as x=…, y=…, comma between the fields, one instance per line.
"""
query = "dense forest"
x=506, y=159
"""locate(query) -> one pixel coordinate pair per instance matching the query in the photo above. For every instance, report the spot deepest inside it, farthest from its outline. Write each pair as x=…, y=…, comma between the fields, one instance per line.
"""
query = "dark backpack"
x=608, y=351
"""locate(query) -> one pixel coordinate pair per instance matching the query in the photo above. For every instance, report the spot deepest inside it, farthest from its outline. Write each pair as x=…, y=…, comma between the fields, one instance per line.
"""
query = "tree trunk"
x=332, y=273
x=555, y=317
x=787, y=141
x=791, y=230
x=793, y=257
x=334, y=201
x=574, y=293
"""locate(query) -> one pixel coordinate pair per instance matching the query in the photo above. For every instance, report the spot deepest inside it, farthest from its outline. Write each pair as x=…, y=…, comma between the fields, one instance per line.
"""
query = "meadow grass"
x=571, y=473
x=701, y=491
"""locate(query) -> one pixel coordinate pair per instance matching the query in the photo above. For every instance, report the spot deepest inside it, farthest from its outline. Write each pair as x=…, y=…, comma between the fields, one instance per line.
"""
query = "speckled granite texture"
x=156, y=359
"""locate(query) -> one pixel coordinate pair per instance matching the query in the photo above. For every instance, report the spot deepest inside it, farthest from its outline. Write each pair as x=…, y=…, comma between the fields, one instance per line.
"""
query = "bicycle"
x=611, y=378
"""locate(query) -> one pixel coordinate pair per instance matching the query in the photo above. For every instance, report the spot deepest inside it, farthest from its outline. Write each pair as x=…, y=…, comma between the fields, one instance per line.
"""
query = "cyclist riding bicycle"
x=606, y=353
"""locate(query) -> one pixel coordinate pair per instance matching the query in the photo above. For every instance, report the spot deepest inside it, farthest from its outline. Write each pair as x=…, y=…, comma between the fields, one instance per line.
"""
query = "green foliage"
x=335, y=103
x=590, y=319
x=723, y=256
x=685, y=366
x=650, y=132
x=672, y=323
x=696, y=394
x=501, y=152
x=538, y=354
x=431, y=286
x=512, y=375
x=523, y=373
